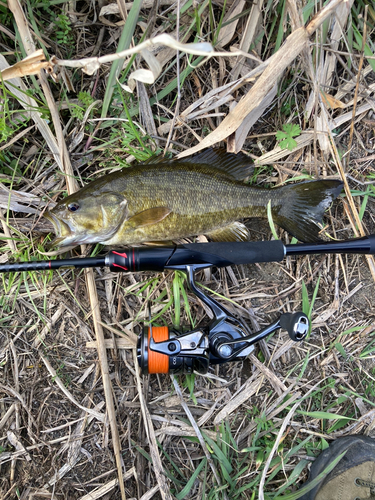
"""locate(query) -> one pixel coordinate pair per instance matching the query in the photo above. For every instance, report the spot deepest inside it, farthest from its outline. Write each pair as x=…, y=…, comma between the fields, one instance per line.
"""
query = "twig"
x=100, y=491
x=358, y=222
x=90, y=280
x=91, y=64
x=99, y=416
x=102, y=352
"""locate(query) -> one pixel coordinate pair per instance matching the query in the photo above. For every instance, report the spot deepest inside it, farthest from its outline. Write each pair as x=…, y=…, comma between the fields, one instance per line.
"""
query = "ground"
x=245, y=430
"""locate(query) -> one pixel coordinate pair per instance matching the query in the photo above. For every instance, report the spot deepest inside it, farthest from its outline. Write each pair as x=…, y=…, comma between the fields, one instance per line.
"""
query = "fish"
x=164, y=200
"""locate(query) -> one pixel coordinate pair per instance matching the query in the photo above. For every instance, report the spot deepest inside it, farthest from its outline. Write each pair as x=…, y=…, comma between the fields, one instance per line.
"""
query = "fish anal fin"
x=149, y=216
x=158, y=243
x=233, y=232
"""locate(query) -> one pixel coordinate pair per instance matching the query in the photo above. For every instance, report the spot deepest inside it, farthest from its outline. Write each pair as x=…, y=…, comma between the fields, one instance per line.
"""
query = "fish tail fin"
x=303, y=205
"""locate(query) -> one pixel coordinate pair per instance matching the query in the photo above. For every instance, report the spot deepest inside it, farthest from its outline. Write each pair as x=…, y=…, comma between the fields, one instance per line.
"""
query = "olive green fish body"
x=200, y=199
x=171, y=200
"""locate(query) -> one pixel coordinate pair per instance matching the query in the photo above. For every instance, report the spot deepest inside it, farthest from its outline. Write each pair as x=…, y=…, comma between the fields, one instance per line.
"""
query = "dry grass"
x=77, y=421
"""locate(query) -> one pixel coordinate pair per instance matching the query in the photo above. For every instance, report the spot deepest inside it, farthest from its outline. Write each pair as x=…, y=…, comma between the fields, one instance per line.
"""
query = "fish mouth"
x=64, y=235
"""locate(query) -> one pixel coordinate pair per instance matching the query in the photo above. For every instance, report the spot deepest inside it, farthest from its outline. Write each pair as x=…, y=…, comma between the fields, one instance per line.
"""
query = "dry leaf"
x=277, y=64
x=110, y=10
x=31, y=105
x=228, y=31
x=31, y=65
x=18, y=201
x=253, y=117
x=322, y=129
x=145, y=75
x=336, y=33
x=308, y=136
x=331, y=101
x=252, y=26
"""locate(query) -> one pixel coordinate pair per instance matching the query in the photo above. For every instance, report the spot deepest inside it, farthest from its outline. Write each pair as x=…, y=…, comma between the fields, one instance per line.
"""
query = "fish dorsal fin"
x=234, y=232
x=238, y=166
x=155, y=159
x=149, y=216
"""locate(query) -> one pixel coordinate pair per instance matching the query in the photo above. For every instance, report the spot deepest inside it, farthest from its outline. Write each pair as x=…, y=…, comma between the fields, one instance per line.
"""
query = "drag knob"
x=296, y=324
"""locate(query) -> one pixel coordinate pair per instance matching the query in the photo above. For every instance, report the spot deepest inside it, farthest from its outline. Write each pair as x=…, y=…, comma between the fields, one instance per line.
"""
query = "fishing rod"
x=207, y=254
x=226, y=338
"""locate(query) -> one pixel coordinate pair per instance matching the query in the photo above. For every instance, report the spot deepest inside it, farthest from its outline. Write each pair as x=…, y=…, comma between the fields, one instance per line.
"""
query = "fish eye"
x=73, y=207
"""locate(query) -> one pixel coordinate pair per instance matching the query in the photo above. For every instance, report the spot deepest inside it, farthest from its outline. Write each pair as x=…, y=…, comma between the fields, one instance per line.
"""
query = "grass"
x=47, y=315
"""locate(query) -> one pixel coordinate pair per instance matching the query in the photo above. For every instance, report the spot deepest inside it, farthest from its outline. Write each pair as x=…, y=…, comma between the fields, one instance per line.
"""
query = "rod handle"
x=228, y=253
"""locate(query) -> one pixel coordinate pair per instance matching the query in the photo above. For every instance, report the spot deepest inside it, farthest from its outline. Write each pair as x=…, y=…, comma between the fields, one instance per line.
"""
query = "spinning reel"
x=225, y=338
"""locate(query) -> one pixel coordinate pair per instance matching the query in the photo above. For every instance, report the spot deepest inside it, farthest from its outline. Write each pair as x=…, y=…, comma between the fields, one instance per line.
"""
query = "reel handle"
x=296, y=324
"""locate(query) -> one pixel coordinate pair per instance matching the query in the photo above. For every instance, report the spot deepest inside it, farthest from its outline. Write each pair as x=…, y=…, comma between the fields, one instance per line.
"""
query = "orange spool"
x=158, y=363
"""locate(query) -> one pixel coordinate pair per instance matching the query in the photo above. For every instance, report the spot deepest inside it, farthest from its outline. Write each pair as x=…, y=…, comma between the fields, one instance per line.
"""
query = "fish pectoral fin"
x=150, y=216
x=234, y=232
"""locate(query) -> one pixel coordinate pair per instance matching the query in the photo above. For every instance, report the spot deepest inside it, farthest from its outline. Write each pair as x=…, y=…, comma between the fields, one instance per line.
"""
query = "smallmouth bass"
x=163, y=200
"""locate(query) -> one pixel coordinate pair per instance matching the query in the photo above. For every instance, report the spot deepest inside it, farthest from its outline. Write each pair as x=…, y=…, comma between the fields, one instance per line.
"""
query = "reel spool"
x=161, y=350
x=224, y=339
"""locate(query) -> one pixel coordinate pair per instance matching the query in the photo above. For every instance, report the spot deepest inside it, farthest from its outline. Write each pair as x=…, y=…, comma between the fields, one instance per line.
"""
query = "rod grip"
x=228, y=253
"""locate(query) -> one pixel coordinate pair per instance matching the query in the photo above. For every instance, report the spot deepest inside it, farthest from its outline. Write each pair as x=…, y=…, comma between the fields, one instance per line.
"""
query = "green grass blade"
x=294, y=475
x=173, y=84
x=177, y=300
x=305, y=299
x=124, y=44
x=224, y=462
x=183, y=493
x=324, y=415
x=341, y=350
x=314, y=482
x=367, y=50
x=280, y=32
x=363, y=207
x=314, y=298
